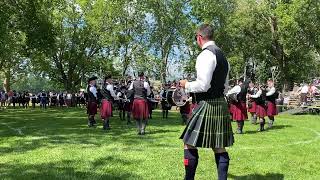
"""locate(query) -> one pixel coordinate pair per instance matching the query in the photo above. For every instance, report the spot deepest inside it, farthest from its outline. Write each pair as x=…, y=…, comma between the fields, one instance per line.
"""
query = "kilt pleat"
x=261, y=110
x=239, y=111
x=209, y=125
x=271, y=109
x=252, y=108
x=105, y=109
x=92, y=108
x=140, y=109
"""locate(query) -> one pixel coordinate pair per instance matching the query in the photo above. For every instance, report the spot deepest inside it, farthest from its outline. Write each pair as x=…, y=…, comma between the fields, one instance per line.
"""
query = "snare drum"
x=177, y=97
x=169, y=96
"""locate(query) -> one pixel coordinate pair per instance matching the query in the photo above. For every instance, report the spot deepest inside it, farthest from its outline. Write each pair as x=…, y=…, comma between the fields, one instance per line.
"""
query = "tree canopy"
x=66, y=41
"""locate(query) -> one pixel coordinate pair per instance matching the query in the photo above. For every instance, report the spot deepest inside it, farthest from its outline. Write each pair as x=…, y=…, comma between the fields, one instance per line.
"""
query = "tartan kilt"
x=239, y=111
x=105, y=109
x=140, y=109
x=261, y=110
x=252, y=108
x=209, y=125
x=186, y=109
x=165, y=105
x=271, y=109
x=92, y=108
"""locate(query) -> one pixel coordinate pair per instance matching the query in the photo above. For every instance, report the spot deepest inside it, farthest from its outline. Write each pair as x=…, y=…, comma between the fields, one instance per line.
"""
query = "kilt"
x=261, y=110
x=271, y=109
x=165, y=105
x=209, y=125
x=252, y=108
x=239, y=111
x=92, y=108
x=105, y=109
x=186, y=109
x=68, y=102
x=140, y=109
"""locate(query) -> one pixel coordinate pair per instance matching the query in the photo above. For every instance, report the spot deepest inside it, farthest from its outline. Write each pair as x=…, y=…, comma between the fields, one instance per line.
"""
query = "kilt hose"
x=92, y=108
x=140, y=109
x=239, y=111
x=271, y=108
x=252, y=107
x=105, y=109
x=209, y=125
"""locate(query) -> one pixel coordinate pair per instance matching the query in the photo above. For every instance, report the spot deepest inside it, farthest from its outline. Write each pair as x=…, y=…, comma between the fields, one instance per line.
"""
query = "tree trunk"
x=7, y=80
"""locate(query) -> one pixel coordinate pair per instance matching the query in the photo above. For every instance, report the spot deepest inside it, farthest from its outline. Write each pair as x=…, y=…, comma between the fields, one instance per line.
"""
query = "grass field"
x=57, y=144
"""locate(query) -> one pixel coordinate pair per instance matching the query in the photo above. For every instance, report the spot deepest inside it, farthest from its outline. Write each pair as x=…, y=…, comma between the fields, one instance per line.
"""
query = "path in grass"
x=57, y=144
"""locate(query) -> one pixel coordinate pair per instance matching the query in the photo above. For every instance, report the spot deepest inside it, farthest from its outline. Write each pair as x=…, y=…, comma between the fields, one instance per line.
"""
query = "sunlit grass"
x=57, y=144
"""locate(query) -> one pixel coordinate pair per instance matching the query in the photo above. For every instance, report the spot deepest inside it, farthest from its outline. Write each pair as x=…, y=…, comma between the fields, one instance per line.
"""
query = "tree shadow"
x=52, y=127
x=275, y=127
x=66, y=169
x=268, y=176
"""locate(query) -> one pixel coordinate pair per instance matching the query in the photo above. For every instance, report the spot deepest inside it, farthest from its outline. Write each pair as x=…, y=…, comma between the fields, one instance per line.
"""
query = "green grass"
x=57, y=144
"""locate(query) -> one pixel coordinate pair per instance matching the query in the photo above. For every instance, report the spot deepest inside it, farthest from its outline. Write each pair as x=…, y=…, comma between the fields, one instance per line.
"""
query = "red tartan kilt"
x=128, y=106
x=253, y=107
x=261, y=111
x=271, y=109
x=105, y=109
x=239, y=111
x=140, y=109
x=92, y=108
x=231, y=106
x=186, y=109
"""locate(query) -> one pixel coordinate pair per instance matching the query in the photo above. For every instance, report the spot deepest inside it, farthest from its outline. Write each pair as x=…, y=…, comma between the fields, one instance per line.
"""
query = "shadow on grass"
x=268, y=176
x=98, y=169
x=52, y=127
x=275, y=127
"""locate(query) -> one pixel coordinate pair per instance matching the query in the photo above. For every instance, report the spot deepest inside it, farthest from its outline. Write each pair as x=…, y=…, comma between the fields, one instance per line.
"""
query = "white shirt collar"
x=209, y=43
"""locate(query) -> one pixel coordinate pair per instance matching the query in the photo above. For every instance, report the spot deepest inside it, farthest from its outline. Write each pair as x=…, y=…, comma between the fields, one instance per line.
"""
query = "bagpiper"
x=92, y=101
x=140, y=110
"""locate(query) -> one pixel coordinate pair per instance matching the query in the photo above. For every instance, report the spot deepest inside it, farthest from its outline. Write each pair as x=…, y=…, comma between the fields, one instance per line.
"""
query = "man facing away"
x=209, y=125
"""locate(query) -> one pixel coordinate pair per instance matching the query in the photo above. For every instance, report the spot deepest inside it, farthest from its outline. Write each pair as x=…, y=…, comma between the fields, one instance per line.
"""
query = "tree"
x=76, y=35
x=166, y=22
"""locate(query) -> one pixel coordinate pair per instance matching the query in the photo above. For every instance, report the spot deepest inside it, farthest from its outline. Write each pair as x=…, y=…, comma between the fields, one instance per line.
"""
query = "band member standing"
x=92, y=101
x=140, y=110
x=165, y=105
x=150, y=101
x=129, y=103
x=251, y=102
x=210, y=125
x=33, y=100
x=108, y=95
x=43, y=100
x=261, y=110
x=121, y=102
x=239, y=109
x=271, y=97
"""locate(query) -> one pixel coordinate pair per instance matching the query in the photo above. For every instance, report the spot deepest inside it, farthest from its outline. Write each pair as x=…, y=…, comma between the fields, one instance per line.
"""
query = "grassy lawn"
x=57, y=144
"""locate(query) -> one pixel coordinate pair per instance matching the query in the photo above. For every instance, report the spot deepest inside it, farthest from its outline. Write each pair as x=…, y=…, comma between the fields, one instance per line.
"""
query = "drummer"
x=151, y=102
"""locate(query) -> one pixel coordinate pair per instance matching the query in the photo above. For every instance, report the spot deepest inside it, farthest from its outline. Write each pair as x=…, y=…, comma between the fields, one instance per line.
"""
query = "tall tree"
x=166, y=21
